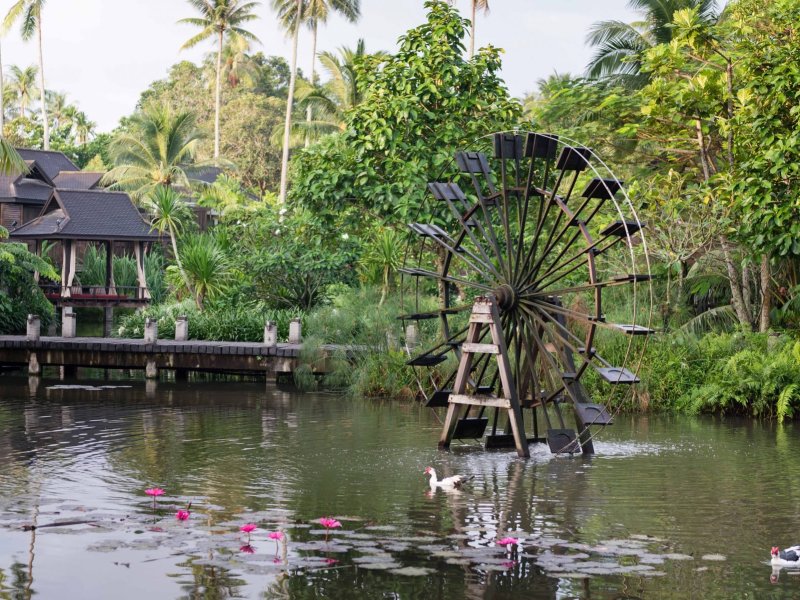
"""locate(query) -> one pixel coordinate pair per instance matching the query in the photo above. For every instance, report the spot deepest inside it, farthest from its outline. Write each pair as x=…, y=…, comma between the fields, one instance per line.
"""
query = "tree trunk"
x=45, y=121
x=766, y=297
x=217, y=101
x=472, y=29
x=736, y=291
x=287, y=127
x=747, y=291
x=313, y=77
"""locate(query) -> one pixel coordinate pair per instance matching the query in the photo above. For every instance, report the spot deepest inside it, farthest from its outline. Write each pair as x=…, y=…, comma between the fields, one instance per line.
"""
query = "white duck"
x=790, y=557
x=448, y=482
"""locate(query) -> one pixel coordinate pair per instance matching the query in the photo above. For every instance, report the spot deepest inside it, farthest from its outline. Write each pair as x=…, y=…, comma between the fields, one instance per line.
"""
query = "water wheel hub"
x=506, y=297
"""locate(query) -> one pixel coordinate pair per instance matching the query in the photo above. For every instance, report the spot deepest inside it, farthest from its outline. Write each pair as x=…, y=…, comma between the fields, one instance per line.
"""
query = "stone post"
x=181, y=329
x=68, y=322
x=411, y=336
x=295, y=331
x=34, y=327
x=271, y=334
x=150, y=331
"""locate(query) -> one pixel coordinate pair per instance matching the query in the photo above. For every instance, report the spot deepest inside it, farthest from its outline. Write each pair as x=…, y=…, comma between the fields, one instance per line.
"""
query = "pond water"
x=669, y=508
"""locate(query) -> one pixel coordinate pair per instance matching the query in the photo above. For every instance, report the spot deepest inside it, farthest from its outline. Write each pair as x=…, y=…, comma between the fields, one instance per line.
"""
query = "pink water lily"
x=248, y=529
x=182, y=515
x=155, y=493
x=508, y=541
x=247, y=549
x=329, y=524
x=277, y=536
x=331, y=561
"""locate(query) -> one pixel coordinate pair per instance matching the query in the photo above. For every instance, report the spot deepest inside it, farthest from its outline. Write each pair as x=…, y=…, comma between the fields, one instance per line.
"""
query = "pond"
x=669, y=508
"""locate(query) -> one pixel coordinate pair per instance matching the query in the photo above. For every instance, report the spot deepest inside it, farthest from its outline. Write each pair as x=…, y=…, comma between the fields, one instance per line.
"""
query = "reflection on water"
x=670, y=508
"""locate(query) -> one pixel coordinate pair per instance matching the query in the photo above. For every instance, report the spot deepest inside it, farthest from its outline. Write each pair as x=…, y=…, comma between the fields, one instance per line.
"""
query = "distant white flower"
x=122, y=330
x=282, y=211
x=345, y=237
x=277, y=232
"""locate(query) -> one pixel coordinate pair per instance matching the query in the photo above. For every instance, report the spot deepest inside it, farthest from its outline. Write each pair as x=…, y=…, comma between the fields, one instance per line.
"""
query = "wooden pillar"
x=138, y=251
x=108, y=320
x=37, y=250
x=110, y=268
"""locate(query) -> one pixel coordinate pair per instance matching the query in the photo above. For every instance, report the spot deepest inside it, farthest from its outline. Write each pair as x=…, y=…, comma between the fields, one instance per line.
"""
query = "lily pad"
x=412, y=571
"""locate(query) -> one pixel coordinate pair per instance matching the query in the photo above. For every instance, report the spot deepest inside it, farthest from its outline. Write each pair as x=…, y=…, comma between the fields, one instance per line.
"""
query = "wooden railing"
x=95, y=293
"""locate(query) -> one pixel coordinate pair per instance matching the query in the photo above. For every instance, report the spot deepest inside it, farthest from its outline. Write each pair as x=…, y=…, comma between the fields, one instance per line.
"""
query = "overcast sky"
x=104, y=53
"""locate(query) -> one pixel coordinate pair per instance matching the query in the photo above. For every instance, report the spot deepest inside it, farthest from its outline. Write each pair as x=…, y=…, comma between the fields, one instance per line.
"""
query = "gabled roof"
x=50, y=161
x=77, y=180
x=87, y=215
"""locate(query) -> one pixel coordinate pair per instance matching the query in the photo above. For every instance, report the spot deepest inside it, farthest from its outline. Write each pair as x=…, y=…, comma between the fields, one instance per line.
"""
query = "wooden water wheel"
x=546, y=231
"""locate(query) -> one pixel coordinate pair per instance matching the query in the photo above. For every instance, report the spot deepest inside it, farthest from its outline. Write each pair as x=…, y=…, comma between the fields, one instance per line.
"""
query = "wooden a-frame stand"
x=485, y=313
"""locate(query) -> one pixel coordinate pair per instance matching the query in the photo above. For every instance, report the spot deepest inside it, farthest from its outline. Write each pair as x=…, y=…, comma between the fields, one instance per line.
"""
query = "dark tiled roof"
x=88, y=214
x=50, y=161
x=205, y=174
x=77, y=180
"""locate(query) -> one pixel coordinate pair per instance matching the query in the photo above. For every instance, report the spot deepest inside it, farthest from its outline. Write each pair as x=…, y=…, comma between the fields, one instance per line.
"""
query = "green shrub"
x=224, y=322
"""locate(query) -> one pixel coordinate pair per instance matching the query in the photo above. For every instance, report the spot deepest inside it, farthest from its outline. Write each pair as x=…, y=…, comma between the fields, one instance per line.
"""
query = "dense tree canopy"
x=419, y=106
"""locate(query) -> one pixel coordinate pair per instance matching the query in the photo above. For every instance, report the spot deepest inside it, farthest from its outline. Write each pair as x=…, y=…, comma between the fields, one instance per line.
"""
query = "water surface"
x=669, y=508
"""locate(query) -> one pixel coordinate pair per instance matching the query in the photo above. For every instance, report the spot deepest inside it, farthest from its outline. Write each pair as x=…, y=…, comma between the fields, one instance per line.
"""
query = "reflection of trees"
x=210, y=583
x=19, y=587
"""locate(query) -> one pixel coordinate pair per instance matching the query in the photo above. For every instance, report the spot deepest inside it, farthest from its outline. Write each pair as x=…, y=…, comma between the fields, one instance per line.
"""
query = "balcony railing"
x=95, y=294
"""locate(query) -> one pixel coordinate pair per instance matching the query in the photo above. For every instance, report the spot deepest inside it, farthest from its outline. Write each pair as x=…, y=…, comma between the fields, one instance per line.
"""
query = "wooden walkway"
x=191, y=355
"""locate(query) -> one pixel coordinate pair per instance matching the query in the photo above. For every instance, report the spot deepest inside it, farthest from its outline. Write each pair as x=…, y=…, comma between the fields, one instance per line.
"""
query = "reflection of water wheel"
x=548, y=231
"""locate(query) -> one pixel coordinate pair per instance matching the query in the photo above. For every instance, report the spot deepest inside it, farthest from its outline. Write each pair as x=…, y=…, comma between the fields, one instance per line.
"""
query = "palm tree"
x=314, y=13
x=220, y=18
x=58, y=109
x=620, y=46
x=29, y=12
x=476, y=6
x=82, y=127
x=297, y=8
x=168, y=213
x=10, y=160
x=238, y=66
x=23, y=86
x=157, y=149
x=2, y=97
x=338, y=95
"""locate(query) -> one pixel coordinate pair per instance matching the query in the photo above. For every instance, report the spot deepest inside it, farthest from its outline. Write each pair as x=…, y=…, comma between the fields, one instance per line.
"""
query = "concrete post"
x=150, y=331
x=391, y=340
x=411, y=336
x=108, y=321
x=34, y=327
x=271, y=334
x=68, y=322
x=181, y=329
x=295, y=331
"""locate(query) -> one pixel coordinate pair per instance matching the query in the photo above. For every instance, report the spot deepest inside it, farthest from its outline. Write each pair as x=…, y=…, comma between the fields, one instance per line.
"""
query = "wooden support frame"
x=485, y=314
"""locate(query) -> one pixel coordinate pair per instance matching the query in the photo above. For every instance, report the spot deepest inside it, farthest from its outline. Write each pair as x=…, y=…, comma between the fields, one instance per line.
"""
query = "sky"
x=104, y=53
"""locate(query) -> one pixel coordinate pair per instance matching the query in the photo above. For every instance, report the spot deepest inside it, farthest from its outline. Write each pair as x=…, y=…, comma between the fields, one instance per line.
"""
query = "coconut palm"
x=23, y=86
x=58, y=108
x=314, y=14
x=168, y=213
x=476, y=5
x=238, y=66
x=620, y=46
x=220, y=19
x=338, y=95
x=29, y=13
x=2, y=97
x=82, y=127
x=158, y=148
